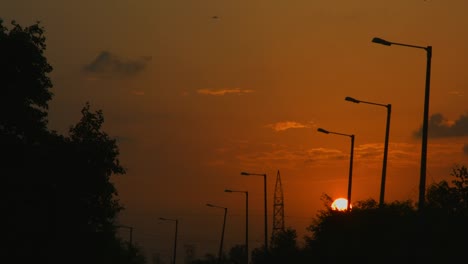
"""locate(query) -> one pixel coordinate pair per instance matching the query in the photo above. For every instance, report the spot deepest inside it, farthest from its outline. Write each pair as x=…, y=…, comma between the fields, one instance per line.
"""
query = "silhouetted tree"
x=283, y=249
x=237, y=254
x=58, y=202
x=25, y=197
x=446, y=215
x=451, y=199
x=24, y=80
x=366, y=233
x=207, y=259
x=85, y=197
x=396, y=231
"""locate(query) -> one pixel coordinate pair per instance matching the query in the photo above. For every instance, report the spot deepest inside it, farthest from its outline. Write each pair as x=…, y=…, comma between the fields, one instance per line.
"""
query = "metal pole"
x=265, y=209
x=222, y=238
x=422, y=179
x=350, y=173
x=384, y=166
x=175, y=242
x=246, y=227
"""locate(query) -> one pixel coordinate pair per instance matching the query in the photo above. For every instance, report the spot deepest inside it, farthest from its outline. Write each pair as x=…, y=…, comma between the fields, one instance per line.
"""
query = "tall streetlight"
x=387, y=132
x=246, y=222
x=350, y=179
x=422, y=177
x=265, y=202
x=220, y=254
x=175, y=237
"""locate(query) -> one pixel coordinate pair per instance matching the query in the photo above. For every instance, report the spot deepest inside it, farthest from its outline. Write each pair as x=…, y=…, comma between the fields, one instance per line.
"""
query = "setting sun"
x=340, y=204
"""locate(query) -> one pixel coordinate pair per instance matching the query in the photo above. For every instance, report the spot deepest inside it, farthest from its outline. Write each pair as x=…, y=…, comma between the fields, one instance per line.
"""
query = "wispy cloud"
x=221, y=92
x=400, y=155
x=282, y=126
x=440, y=127
x=107, y=63
x=457, y=93
x=368, y=155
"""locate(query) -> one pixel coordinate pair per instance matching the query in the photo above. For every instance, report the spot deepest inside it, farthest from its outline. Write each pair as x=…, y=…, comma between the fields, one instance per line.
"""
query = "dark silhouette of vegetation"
x=283, y=249
x=57, y=200
x=398, y=230
x=236, y=255
x=393, y=233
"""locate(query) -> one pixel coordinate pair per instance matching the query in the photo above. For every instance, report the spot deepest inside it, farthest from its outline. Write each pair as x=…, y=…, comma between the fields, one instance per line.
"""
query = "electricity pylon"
x=278, y=207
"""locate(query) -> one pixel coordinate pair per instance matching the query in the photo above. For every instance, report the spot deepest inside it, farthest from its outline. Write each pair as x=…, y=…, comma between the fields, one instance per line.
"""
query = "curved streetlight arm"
x=253, y=174
x=336, y=133
x=353, y=100
x=389, y=43
x=348, y=135
x=215, y=206
x=233, y=191
x=323, y=131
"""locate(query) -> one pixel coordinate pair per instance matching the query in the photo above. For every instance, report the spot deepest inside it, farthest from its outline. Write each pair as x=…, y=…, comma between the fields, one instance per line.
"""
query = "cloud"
x=111, y=64
x=223, y=91
x=323, y=154
x=440, y=127
x=457, y=93
x=281, y=126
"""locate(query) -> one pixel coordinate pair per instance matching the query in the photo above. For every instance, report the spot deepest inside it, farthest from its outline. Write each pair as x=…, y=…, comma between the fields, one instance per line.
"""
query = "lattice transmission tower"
x=278, y=207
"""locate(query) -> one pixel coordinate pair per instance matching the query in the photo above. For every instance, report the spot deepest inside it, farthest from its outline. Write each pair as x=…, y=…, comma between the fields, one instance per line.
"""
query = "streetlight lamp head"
x=162, y=218
x=228, y=191
x=245, y=173
x=210, y=205
x=381, y=41
x=323, y=130
x=350, y=99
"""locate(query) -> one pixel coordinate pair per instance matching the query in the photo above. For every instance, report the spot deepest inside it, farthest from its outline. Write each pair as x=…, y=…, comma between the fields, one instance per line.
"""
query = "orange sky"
x=194, y=100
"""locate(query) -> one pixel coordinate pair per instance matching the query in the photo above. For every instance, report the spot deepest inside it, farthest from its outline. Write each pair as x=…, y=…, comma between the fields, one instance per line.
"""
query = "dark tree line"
x=396, y=232
x=57, y=200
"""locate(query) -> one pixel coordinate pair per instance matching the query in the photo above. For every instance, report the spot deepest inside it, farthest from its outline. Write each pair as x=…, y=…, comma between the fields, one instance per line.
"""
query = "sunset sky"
x=197, y=91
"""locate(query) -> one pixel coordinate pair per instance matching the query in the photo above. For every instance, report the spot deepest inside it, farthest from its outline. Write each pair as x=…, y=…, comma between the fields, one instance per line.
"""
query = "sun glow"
x=340, y=204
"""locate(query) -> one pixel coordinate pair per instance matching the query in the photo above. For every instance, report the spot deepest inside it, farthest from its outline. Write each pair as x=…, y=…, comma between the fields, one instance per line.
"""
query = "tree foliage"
x=59, y=203
x=452, y=199
x=25, y=82
x=283, y=249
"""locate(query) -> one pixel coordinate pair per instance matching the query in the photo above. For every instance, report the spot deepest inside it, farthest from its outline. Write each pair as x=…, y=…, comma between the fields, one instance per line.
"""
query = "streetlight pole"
x=220, y=254
x=265, y=202
x=385, y=155
x=175, y=237
x=422, y=178
x=246, y=222
x=350, y=179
